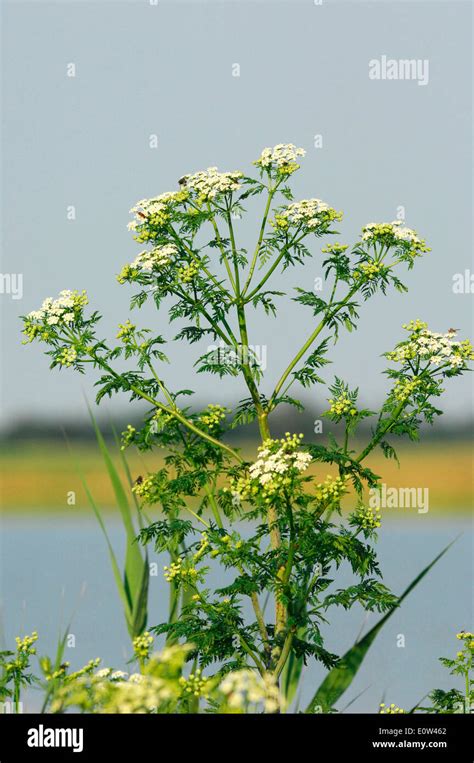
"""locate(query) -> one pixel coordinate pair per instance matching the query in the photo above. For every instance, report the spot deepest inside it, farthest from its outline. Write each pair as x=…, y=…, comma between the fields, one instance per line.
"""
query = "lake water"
x=55, y=569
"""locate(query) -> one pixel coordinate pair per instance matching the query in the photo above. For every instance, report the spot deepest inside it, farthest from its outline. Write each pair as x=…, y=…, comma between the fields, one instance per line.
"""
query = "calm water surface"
x=55, y=569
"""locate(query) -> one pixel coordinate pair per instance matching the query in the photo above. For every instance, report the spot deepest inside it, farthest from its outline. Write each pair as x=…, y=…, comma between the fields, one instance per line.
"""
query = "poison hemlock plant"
x=296, y=537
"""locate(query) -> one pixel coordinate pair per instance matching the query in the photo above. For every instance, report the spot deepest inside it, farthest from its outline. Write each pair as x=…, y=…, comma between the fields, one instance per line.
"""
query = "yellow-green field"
x=40, y=476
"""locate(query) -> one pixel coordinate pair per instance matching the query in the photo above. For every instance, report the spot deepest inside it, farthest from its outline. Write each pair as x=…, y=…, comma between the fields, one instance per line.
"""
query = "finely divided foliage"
x=296, y=536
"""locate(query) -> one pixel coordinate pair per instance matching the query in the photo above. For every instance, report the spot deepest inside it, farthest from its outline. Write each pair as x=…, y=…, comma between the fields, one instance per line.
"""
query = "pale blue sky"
x=167, y=70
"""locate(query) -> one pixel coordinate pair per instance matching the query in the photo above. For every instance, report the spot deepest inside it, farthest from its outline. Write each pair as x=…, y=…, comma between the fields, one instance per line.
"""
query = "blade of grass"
x=136, y=569
x=340, y=678
x=128, y=475
x=291, y=674
x=140, y=604
x=113, y=560
x=57, y=664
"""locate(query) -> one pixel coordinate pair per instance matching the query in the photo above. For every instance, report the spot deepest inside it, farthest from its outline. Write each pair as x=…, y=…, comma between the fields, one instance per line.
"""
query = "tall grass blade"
x=340, y=678
x=52, y=685
x=136, y=571
x=113, y=559
x=291, y=675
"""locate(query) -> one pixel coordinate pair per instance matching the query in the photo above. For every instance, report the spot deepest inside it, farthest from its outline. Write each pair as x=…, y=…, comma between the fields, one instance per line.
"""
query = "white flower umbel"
x=308, y=213
x=155, y=211
x=246, y=691
x=156, y=258
x=277, y=463
x=394, y=234
x=62, y=310
x=208, y=184
x=282, y=157
x=432, y=347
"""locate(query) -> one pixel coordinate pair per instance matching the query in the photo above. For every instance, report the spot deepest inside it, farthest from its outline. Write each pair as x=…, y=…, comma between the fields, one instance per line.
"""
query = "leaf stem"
x=171, y=411
x=284, y=654
x=275, y=264
x=328, y=316
x=271, y=193
x=223, y=252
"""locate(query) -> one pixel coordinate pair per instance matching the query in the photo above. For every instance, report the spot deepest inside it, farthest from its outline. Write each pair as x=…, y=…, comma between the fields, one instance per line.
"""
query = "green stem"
x=246, y=370
x=467, y=708
x=328, y=316
x=196, y=516
x=16, y=695
x=161, y=385
x=271, y=194
x=375, y=440
x=223, y=252
x=251, y=653
x=198, y=261
x=285, y=653
x=234, y=249
x=214, y=506
x=230, y=339
x=291, y=547
x=295, y=361
x=260, y=621
x=174, y=595
x=346, y=438
x=272, y=521
x=172, y=412
x=273, y=267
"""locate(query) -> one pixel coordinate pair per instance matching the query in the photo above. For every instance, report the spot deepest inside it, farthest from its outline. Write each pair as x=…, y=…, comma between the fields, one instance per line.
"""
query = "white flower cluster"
x=210, y=183
x=394, y=233
x=136, y=678
x=244, y=688
x=433, y=347
x=155, y=210
x=282, y=156
x=155, y=258
x=140, y=694
x=111, y=675
x=308, y=212
x=268, y=464
x=272, y=470
x=395, y=228
x=438, y=348
x=64, y=309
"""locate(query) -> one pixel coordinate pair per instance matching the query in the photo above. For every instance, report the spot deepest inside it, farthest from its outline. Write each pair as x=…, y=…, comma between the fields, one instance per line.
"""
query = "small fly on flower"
x=139, y=480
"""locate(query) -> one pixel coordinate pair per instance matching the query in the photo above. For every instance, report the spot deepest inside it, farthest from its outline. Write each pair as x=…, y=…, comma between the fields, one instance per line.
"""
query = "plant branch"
x=328, y=316
x=275, y=264
x=171, y=411
x=271, y=193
